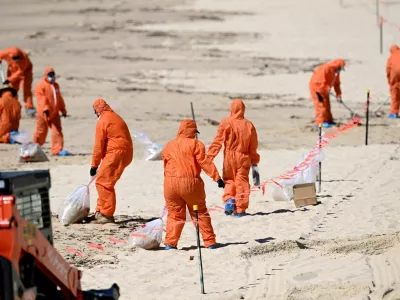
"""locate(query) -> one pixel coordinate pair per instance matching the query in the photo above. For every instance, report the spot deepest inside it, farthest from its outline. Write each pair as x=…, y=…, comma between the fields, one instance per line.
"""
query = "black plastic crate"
x=31, y=190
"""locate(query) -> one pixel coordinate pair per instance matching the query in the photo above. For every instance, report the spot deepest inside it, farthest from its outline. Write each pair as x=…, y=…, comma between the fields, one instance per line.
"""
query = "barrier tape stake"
x=367, y=117
x=193, y=117
x=381, y=34
x=320, y=163
x=196, y=215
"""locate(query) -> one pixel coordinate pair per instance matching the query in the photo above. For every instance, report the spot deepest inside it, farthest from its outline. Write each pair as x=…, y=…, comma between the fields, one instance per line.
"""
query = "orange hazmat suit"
x=393, y=77
x=114, y=149
x=19, y=72
x=49, y=99
x=324, y=77
x=239, y=137
x=10, y=114
x=184, y=158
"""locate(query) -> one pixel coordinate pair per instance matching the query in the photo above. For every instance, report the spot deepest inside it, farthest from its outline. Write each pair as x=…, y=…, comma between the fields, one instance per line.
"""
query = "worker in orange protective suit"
x=324, y=77
x=184, y=158
x=50, y=104
x=114, y=149
x=19, y=73
x=10, y=114
x=393, y=77
x=240, y=139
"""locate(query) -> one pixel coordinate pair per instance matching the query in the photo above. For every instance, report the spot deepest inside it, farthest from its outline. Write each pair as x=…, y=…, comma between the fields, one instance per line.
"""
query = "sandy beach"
x=149, y=60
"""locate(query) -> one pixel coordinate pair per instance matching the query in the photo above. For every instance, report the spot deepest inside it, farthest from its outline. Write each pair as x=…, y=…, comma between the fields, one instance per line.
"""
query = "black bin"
x=31, y=191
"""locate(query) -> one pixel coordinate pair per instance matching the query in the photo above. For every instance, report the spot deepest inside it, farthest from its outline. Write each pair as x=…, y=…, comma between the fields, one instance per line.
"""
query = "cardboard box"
x=304, y=194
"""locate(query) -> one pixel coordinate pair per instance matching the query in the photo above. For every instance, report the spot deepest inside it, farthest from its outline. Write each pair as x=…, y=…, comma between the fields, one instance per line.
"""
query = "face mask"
x=50, y=79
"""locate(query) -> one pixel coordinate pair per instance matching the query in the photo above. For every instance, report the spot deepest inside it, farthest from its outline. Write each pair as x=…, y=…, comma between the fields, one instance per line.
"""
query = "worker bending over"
x=10, y=114
x=50, y=104
x=19, y=73
x=184, y=158
x=324, y=77
x=393, y=77
x=114, y=149
x=239, y=137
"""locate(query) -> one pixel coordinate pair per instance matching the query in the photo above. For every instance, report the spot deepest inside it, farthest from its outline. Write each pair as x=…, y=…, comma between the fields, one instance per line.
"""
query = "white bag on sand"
x=306, y=175
x=284, y=193
x=32, y=152
x=149, y=235
x=76, y=207
x=22, y=137
x=153, y=151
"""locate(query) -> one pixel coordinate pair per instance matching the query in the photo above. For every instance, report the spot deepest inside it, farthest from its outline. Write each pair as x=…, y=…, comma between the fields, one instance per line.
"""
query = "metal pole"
x=193, y=117
x=320, y=164
x=381, y=34
x=196, y=215
x=367, y=116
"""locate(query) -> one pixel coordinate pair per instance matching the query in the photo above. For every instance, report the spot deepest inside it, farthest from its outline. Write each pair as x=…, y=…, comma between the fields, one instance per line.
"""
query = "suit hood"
x=14, y=51
x=237, y=109
x=187, y=129
x=100, y=106
x=337, y=63
x=394, y=48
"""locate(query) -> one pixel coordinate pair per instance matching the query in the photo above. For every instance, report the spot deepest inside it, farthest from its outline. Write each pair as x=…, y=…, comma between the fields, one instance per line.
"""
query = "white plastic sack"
x=149, y=235
x=284, y=193
x=21, y=138
x=152, y=150
x=306, y=175
x=32, y=152
x=76, y=207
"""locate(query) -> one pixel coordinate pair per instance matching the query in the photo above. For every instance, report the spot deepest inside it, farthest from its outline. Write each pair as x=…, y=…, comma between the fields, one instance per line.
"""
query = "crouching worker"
x=184, y=158
x=50, y=104
x=114, y=149
x=321, y=82
x=239, y=137
x=19, y=73
x=10, y=114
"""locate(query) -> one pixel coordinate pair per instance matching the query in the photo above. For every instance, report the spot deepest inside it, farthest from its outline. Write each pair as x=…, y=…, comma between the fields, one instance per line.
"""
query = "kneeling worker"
x=114, y=149
x=321, y=82
x=184, y=158
x=10, y=114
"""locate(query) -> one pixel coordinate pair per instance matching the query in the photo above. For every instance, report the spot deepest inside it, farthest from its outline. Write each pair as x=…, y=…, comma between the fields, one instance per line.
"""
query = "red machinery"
x=30, y=267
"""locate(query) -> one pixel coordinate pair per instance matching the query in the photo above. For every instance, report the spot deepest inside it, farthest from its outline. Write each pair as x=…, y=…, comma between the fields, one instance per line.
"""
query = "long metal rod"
x=320, y=164
x=367, y=117
x=381, y=35
x=193, y=116
x=196, y=215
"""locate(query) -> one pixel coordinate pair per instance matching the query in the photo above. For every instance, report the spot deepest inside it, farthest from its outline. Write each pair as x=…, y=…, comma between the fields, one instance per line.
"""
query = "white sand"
x=149, y=60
